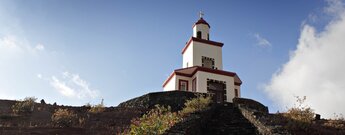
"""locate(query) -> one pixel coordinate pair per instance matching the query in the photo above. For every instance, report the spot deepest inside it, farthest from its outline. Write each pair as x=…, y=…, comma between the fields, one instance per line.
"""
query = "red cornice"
x=204, y=69
x=208, y=42
x=215, y=71
x=238, y=84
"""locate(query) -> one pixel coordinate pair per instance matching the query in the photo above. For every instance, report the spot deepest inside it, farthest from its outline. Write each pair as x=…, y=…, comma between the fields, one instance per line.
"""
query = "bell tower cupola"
x=201, y=28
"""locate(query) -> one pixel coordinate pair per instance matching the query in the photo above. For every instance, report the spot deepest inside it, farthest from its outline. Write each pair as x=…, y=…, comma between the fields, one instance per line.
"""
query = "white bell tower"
x=202, y=67
x=200, y=50
x=201, y=28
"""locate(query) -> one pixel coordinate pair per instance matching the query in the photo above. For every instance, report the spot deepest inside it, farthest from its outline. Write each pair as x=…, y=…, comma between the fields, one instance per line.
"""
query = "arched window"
x=198, y=34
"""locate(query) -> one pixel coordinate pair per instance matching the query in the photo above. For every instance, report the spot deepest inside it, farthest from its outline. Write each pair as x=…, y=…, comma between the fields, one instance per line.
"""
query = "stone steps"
x=228, y=120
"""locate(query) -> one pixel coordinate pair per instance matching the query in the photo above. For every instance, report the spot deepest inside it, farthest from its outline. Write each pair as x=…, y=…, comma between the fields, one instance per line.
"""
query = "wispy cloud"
x=316, y=67
x=39, y=47
x=71, y=85
x=39, y=76
x=11, y=44
x=261, y=41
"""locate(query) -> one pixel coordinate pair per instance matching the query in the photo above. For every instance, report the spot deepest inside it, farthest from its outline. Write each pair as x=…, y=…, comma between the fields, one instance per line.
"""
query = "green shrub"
x=299, y=116
x=160, y=119
x=64, y=118
x=156, y=121
x=24, y=107
x=196, y=104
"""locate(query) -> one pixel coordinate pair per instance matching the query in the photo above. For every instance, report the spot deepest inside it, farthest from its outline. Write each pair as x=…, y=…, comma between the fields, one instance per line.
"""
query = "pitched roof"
x=202, y=21
x=190, y=71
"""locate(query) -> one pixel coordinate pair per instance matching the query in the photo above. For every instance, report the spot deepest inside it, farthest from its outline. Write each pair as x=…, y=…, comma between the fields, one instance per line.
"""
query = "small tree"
x=301, y=116
x=97, y=108
x=24, y=107
x=64, y=118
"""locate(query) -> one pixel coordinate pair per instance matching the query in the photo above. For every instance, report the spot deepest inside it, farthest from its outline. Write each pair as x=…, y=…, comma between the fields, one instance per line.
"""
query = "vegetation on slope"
x=161, y=118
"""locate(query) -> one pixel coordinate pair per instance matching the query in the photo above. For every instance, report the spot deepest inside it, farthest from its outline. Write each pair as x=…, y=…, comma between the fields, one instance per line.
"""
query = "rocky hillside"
x=243, y=116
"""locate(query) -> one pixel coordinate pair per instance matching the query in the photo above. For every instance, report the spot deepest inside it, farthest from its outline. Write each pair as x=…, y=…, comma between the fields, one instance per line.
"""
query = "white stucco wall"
x=202, y=83
x=171, y=85
x=188, y=56
x=202, y=49
x=204, y=30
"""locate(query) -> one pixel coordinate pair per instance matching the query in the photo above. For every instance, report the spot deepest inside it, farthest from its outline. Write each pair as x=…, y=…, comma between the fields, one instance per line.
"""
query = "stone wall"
x=259, y=116
x=193, y=124
x=252, y=104
x=174, y=99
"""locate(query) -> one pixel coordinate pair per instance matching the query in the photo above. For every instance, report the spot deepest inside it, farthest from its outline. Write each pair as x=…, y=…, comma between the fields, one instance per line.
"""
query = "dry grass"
x=24, y=107
x=64, y=118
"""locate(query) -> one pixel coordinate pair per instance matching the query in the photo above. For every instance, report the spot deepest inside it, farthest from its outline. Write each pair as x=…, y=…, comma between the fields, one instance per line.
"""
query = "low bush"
x=196, y=104
x=64, y=118
x=161, y=118
x=24, y=107
x=156, y=121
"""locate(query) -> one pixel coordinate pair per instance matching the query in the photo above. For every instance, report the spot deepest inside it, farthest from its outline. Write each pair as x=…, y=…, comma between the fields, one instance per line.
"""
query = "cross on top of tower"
x=201, y=14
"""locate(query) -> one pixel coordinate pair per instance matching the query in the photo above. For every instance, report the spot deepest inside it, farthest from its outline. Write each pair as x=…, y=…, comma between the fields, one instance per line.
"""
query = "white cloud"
x=39, y=76
x=335, y=7
x=10, y=44
x=73, y=86
x=316, y=68
x=39, y=47
x=62, y=87
x=261, y=41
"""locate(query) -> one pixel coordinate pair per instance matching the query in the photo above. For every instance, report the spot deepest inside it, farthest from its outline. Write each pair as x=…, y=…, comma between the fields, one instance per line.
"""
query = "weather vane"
x=201, y=14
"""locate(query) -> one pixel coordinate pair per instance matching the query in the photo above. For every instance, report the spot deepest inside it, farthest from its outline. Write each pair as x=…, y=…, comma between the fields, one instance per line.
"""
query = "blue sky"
x=118, y=50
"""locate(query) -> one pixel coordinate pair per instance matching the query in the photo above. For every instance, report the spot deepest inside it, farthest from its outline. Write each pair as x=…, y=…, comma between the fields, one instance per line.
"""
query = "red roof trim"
x=182, y=74
x=208, y=42
x=238, y=84
x=198, y=68
x=187, y=45
x=202, y=21
x=169, y=78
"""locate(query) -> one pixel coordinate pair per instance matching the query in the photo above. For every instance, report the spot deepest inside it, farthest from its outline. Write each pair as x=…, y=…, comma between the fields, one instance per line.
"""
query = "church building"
x=202, y=68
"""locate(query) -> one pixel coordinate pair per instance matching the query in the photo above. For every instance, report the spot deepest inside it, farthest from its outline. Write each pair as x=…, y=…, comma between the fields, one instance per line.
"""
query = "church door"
x=217, y=89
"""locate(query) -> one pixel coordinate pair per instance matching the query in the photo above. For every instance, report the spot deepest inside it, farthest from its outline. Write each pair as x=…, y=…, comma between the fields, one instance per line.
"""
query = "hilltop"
x=243, y=116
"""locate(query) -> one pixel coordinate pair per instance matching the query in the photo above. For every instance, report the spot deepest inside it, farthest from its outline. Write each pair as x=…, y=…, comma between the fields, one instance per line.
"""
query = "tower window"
x=208, y=36
x=207, y=62
x=198, y=34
